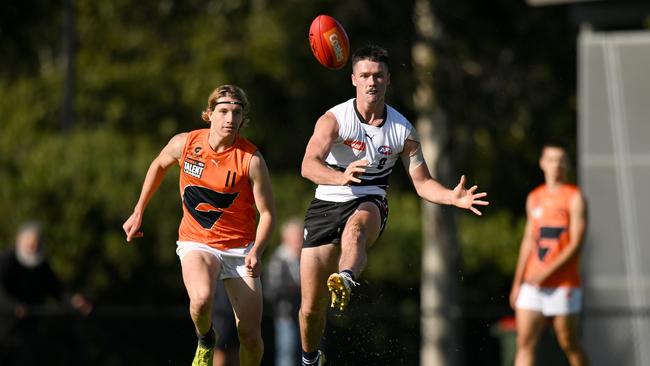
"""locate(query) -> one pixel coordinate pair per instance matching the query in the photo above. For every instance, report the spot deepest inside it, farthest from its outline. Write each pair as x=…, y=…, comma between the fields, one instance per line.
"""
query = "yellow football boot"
x=340, y=288
x=203, y=356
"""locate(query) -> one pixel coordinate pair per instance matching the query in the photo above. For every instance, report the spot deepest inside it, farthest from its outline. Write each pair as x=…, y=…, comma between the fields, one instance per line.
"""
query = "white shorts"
x=550, y=301
x=232, y=260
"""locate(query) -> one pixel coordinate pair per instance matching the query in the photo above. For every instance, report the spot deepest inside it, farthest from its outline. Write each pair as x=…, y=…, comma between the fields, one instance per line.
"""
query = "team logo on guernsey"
x=193, y=168
x=385, y=150
x=355, y=144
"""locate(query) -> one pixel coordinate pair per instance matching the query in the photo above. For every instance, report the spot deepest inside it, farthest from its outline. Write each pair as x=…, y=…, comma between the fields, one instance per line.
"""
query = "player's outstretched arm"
x=431, y=190
x=168, y=156
x=319, y=145
x=263, y=195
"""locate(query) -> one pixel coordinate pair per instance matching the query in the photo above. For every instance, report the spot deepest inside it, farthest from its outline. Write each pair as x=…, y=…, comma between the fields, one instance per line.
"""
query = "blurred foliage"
x=489, y=248
x=396, y=255
x=494, y=240
x=505, y=80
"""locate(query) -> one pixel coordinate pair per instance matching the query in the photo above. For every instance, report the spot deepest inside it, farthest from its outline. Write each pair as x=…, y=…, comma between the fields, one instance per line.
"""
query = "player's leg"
x=566, y=330
x=200, y=271
x=226, y=350
x=564, y=304
x=245, y=295
x=226, y=357
x=316, y=263
x=360, y=233
x=530, y=324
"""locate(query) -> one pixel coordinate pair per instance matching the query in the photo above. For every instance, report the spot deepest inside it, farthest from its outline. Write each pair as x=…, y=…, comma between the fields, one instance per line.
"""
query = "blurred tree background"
x=144, y=70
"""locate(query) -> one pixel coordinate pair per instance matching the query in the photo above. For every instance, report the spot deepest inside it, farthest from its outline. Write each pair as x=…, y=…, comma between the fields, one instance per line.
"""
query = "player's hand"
x=466, y=198
x=353, y=171
x=80, y=303
x=537, y=279
x=132, y=226
x=514, y=294
x=253, y=264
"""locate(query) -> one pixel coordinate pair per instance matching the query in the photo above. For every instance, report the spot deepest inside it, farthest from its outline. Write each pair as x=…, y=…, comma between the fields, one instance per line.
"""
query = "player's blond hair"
x=230, y=91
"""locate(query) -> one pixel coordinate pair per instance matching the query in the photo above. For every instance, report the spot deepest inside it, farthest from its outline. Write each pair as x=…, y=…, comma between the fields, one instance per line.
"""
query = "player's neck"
x=554, y=183
x=220, y=143
x=372, y=113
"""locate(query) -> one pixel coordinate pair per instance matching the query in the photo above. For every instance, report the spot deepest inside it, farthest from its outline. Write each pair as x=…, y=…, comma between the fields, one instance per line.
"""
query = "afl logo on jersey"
x=195, y=151
x=385, y=150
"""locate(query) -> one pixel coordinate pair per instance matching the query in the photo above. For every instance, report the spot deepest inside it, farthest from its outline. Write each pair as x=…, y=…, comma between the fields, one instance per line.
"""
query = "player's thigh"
x=365, y=221
x=566, y=329
x=200, y=272
x=530, y=324
x=316, y=264
x=245, y=294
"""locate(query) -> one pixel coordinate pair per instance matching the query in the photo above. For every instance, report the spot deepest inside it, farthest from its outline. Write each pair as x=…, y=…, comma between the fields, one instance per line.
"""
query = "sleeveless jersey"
x=550, y=217
x=218, y=203
x=379, y=145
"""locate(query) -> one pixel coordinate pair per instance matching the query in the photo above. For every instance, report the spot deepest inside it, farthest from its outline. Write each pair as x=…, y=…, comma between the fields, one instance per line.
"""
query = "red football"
x=329, y=42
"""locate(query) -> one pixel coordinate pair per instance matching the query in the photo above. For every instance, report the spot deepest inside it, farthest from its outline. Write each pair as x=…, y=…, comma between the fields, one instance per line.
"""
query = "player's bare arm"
x=432, y=191
x=263, y=195
x=167, y=157
x=526, y=247
x=577, y=227
x=313, y=163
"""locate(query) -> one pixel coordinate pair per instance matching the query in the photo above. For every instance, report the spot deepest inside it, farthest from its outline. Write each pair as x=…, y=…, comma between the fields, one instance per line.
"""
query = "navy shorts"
x=325, y=220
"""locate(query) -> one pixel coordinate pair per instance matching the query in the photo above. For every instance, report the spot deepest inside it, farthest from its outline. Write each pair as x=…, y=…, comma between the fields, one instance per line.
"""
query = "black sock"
x=208, y=340
x=348, y=271
x=309, y=358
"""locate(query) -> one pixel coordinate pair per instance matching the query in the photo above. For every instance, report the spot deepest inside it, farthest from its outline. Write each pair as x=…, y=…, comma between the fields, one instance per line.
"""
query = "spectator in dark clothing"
x=226, y=350
x=283, y=292
x=27, y=282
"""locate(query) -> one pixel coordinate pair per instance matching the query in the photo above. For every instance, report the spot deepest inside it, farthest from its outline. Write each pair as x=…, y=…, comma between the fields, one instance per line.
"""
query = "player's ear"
x=354, y=81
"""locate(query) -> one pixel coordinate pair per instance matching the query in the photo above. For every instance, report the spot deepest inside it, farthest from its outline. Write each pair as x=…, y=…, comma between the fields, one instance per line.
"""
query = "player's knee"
x=526, y=341
x=249, y=336
x=567, y=342
x=200, y=303
x=308, y=312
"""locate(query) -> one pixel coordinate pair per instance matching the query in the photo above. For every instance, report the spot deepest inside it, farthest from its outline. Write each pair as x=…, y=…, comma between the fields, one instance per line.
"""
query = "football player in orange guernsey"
x=350, y=155
x=223, y=178
x=547, y=282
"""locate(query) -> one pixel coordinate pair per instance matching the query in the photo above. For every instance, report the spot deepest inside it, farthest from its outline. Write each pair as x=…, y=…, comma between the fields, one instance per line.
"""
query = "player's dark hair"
x=371, y=52
x=553, y=144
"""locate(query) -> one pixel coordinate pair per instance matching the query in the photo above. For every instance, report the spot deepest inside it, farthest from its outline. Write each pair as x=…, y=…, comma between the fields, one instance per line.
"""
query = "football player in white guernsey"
x=350, y=155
